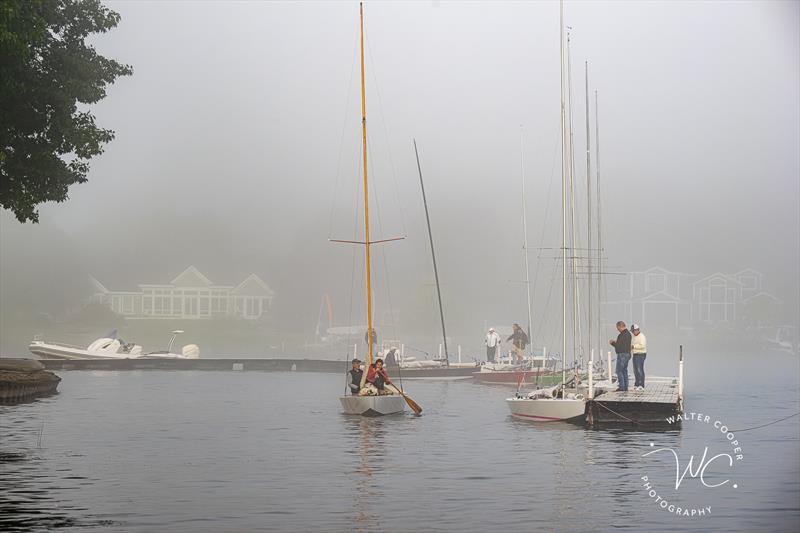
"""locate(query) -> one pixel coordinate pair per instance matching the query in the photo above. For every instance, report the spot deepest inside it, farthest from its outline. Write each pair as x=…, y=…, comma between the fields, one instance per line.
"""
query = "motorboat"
x=110, y=347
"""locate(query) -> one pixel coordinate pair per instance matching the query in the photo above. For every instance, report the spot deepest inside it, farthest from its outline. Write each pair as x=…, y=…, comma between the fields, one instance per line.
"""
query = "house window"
x=655, y=282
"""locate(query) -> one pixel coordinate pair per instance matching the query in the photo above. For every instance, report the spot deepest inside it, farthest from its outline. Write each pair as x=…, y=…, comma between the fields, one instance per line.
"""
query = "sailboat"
x=557, y=403
x=536, y=369
x=394, y=402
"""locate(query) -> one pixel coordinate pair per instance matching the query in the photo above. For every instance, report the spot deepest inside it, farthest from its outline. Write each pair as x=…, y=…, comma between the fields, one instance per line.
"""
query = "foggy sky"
x=229, y=135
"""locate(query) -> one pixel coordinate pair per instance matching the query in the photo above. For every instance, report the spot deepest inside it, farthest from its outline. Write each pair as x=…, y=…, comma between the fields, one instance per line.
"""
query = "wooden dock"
x=659, y=400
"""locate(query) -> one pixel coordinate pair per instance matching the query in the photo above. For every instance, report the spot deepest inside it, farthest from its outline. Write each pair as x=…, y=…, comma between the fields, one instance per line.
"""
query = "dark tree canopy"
x=48, y=74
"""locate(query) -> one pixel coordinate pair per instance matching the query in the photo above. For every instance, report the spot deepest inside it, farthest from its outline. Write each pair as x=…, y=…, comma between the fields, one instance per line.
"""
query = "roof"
x=191, y=277
x=720, y=275
x=254, y=286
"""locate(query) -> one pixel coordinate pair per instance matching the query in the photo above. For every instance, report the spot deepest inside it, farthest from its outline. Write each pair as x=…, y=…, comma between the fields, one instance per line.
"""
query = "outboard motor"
x=104, y=345
x=191, y=351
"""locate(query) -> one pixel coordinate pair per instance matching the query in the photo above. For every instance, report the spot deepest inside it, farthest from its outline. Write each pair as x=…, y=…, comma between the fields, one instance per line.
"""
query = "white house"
x=656, y=295
x=191, y=295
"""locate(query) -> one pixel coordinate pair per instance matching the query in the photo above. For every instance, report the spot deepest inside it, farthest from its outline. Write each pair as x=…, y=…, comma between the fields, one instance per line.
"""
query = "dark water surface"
x=225, y=451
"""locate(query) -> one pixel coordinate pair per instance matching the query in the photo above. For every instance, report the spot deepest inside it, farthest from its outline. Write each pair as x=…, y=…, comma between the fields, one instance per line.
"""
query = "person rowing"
x=379, y=378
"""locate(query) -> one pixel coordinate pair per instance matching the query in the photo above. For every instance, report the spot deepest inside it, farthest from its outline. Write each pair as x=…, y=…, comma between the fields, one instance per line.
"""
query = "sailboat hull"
x=547, y=409
x=373, y=405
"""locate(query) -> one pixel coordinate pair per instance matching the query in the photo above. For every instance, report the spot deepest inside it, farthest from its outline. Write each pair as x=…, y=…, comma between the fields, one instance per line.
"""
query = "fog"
x=237, y=151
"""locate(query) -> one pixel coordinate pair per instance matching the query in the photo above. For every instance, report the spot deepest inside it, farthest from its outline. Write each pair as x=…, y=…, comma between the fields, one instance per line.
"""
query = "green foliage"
x=46, y=71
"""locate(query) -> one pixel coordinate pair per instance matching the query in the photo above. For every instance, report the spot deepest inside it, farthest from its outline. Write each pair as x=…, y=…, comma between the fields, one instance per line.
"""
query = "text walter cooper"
x=695, y=467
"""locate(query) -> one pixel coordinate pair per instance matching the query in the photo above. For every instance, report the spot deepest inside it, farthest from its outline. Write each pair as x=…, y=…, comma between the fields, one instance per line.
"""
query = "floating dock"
x=660, y=399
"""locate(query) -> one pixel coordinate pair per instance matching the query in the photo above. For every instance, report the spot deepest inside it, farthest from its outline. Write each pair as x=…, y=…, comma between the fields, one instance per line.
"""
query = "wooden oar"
x=411, y=403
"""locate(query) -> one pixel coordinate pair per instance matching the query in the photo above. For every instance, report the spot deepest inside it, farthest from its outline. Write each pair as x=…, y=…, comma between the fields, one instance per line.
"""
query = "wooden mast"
x=366, y=190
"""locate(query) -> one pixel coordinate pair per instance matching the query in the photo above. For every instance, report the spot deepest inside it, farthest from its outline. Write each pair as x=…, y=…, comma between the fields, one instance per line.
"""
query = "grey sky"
x=228, y=138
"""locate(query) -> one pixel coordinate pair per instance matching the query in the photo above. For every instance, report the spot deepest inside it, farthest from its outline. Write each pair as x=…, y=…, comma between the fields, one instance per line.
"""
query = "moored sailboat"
x=557, y=403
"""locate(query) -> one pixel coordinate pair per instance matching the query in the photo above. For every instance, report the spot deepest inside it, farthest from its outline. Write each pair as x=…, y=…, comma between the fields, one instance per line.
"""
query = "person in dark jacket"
x=519, y=340
x=623, y=348
x=355, y=377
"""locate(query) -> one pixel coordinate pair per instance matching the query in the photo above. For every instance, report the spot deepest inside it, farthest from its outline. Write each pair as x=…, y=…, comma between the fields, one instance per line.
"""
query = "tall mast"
x=588, y=211
x=525, y=242
x=576, y=316
x=564, y=167
x=433, y=255
x=599, y=221
x=366, y=190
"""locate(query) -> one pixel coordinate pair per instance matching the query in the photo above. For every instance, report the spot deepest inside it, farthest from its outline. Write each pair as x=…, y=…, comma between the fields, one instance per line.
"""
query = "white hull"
x=547, y=409
x=373, y=405
x=57, y=351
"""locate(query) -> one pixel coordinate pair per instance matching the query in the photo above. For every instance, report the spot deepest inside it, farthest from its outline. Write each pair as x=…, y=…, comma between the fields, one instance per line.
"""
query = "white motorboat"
x=110, y=348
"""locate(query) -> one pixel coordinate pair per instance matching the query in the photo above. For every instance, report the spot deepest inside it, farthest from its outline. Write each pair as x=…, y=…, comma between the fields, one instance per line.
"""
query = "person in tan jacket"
x=639, y=349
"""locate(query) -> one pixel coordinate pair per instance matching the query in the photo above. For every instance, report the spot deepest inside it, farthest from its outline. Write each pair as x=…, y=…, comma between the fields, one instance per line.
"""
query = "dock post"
x=355, y=351
x=459, y=354
x=680, y=373
x=440, y=351
x=609, y=367
x=402, y=351
x=591, y=374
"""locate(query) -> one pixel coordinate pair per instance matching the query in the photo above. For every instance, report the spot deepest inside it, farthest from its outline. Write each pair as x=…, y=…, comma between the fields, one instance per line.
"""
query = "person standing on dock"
x=519, y=340
x=623, y=348
x=639, y=350
x=492, y=342
x=355, y=377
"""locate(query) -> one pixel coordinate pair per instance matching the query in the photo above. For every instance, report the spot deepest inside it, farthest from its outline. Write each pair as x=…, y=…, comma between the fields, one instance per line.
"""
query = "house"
x=657, y=296
x=190, y=295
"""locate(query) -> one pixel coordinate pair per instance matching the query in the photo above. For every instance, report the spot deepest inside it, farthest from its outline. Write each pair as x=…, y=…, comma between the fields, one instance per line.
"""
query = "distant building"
x=663, y=298
x=655, y=295
x=191, y=295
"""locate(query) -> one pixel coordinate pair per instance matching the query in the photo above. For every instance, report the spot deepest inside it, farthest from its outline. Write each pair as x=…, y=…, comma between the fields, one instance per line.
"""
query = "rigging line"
x=383, y=248
x=341, y=138
x=355, y=248
x=373, y=71
x=549, y=295
x=544, y=225
x=765, y=425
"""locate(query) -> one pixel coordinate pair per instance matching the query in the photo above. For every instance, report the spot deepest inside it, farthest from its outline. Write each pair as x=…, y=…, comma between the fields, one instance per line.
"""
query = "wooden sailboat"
x=557, y=403
x=379, y=404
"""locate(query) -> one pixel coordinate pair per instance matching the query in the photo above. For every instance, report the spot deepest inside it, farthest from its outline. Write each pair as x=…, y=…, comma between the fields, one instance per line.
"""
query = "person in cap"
x=492, y=342
x=355, y=377
x=519, y=340
x=622, y=345
x=639, y=350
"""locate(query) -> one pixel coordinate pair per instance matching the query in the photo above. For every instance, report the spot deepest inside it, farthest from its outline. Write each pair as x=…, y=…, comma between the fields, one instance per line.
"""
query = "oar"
x=411, y=403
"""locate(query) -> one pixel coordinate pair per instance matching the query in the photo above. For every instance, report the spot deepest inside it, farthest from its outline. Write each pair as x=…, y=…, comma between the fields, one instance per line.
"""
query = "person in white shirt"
x=639, y=350
x=492, y=342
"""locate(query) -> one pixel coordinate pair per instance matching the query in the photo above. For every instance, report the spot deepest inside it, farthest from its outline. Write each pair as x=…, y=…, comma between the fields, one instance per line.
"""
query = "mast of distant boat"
x=588, y=213
x=564, y=169
x=366, y=189
x=525, y=241
x=433, y=255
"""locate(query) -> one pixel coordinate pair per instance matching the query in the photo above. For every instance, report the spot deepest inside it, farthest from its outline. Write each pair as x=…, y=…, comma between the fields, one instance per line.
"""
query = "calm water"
x=208, y=451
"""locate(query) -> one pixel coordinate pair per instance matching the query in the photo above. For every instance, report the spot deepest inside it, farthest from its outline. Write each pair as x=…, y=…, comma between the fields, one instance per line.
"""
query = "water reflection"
x=368, y=450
